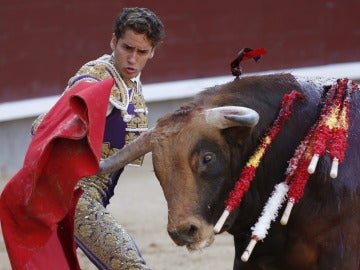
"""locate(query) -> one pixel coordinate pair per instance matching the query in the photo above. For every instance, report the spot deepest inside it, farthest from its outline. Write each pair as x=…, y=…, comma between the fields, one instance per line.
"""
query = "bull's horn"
x=230, y=116
x=128, y=153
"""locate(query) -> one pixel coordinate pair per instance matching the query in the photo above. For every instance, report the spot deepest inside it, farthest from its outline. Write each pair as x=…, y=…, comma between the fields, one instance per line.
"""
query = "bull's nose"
x=184, y=235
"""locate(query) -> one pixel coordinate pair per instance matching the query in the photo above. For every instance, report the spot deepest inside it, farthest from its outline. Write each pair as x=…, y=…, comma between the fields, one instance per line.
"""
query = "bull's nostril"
x=192, y=230
x=185, y=235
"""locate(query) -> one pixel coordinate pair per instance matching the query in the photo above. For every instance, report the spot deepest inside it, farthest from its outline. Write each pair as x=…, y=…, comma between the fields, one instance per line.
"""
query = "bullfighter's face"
x=131, y=53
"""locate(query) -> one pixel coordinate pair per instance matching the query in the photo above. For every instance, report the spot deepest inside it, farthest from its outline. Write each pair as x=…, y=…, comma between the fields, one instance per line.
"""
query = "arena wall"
x=43, y=43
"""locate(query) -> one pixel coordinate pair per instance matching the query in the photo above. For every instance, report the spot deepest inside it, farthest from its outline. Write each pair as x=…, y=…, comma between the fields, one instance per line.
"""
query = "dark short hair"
x=142, y=21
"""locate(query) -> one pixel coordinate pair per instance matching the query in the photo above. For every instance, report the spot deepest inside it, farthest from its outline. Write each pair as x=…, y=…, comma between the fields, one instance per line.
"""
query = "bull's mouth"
x=192, y=244
x=201, y=244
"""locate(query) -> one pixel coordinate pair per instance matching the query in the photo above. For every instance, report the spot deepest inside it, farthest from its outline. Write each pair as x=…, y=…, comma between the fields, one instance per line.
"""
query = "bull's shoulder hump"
x=316, y=83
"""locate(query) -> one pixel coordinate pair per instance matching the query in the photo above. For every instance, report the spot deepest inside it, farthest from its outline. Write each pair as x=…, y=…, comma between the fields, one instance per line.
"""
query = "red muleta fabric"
x=37, y=205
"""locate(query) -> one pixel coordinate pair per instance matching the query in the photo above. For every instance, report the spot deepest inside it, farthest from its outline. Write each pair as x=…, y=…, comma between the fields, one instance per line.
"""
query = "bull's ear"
x=237, y=134
x=231, y=116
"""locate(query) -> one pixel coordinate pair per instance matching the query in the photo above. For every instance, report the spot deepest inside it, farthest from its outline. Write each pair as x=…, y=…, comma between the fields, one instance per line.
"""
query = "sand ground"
x=140, y=206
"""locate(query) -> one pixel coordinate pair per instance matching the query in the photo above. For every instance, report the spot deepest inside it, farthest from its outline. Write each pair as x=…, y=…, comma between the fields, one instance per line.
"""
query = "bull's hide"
x=198, y=157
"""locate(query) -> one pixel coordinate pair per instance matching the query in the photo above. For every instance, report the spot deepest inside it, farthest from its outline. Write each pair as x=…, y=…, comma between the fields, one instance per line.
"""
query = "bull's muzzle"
x=184, y=236
x=193, y=233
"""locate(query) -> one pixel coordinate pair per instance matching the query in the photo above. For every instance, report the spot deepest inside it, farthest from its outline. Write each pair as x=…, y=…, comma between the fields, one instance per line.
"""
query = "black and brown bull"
x=199, y=151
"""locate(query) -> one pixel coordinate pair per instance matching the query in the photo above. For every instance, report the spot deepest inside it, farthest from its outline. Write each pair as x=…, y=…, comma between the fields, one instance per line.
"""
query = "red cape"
x=37, y=205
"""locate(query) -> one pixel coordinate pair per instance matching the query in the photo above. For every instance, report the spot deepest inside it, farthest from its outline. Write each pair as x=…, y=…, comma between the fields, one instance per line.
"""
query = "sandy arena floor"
x=140, y=206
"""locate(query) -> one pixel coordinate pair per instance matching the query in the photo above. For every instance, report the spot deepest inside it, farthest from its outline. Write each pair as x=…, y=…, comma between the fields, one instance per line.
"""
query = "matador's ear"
x=113, y=42
x=152, y=53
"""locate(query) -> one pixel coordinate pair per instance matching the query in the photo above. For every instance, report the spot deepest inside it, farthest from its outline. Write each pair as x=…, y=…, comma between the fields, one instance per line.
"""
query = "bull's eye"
x=208, y=158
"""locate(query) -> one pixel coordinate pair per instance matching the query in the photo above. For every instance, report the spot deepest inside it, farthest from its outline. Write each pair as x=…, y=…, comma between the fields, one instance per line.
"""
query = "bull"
x=199, y=150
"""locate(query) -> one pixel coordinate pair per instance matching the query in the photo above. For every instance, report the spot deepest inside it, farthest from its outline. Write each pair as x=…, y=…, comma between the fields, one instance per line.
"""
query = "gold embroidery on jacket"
x=103, y=68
